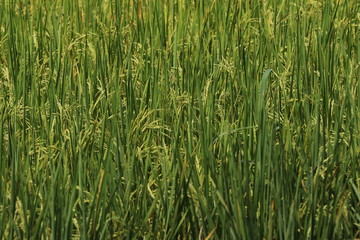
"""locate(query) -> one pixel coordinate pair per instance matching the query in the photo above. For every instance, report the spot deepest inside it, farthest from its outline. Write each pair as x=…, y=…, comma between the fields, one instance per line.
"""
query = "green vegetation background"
x=174, y=119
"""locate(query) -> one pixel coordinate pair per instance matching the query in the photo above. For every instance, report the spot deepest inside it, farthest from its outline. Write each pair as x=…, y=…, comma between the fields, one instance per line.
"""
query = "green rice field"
x=180, y=119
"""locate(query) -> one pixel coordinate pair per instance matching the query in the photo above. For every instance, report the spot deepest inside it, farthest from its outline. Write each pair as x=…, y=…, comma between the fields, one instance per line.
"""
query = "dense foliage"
x=174, y=119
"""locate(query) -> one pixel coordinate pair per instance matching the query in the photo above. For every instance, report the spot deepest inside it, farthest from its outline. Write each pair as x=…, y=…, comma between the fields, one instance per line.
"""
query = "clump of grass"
x=179, y=120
